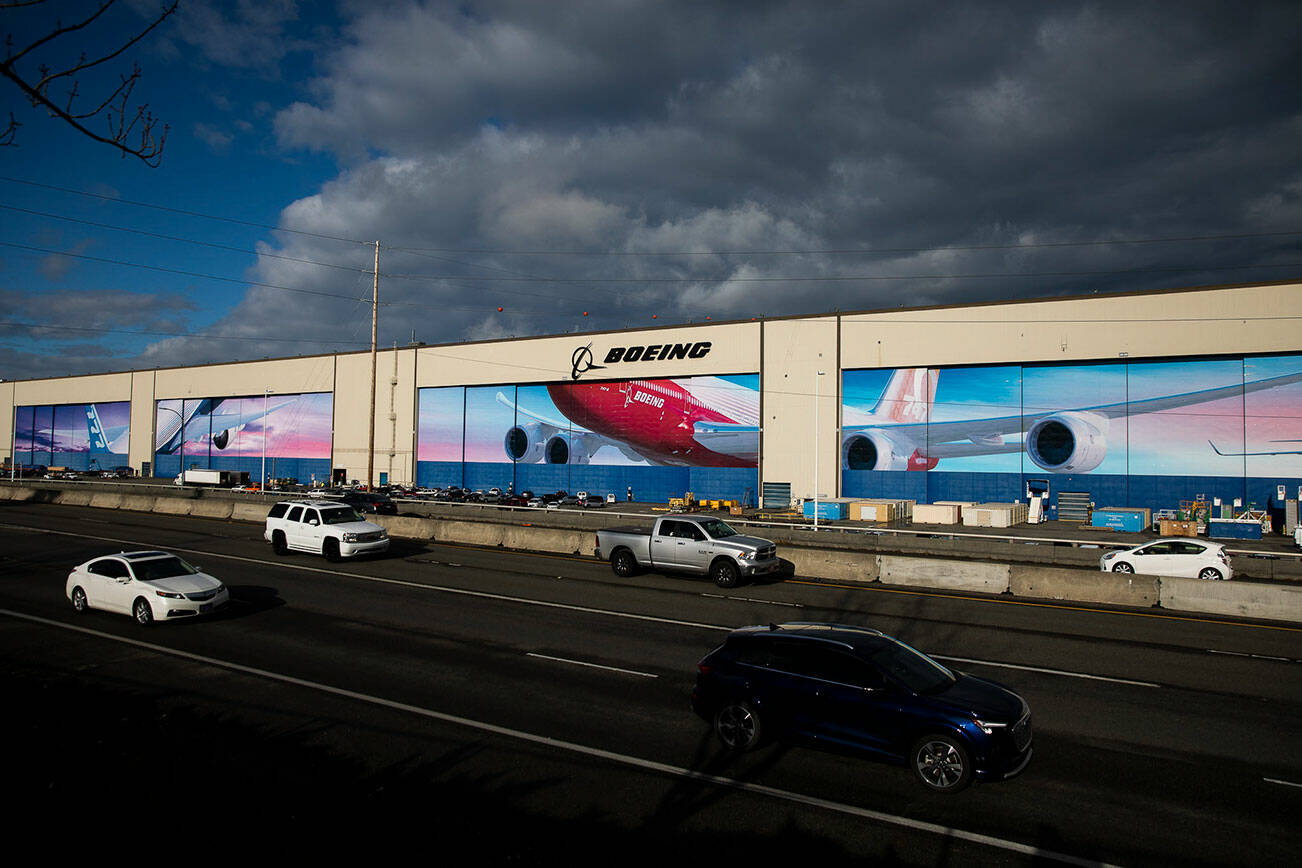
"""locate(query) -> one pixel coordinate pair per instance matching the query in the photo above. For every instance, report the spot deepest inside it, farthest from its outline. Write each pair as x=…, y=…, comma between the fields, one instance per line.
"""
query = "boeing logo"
x=581, y=361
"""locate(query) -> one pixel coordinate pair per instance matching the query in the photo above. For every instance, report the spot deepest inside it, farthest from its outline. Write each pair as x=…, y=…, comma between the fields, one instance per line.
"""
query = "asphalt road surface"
x=529, y=709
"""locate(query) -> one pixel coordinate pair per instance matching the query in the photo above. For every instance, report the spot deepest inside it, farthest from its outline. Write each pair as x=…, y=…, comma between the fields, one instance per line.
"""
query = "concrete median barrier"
x=405, y=526
x=245, y=511
x=208, y=508
x=1087, y=586
x=1244, y=599
x=951, y=575
x=832, y=564
x=546, y=539
x=73, y=498
x=108, y=500
x=166, y=505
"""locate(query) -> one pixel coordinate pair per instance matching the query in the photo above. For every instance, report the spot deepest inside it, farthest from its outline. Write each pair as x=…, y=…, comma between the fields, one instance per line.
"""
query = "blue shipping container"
x=831, y=510
x=1231, y=528
x=1119, y=519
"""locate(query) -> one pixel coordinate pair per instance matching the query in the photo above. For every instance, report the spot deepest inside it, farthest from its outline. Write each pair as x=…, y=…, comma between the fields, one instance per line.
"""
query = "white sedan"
x=148, y=586
x=1172, y=557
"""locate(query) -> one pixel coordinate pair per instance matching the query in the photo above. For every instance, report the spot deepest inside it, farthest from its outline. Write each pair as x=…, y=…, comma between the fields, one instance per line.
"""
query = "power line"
x=852, y=251
x=163, y=237
x=148, y=333
x=182, y=211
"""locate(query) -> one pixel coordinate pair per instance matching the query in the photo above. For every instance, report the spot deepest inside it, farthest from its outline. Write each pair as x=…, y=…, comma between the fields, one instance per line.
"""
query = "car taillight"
x=1224, y=559
x=704, y=669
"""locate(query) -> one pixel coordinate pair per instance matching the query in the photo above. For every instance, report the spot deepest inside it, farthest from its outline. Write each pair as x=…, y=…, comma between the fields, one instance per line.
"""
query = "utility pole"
x=375, y=310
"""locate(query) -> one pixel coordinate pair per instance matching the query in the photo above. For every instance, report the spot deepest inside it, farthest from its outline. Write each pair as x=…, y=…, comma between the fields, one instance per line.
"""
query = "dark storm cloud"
x=635, y=158
x=789, y=127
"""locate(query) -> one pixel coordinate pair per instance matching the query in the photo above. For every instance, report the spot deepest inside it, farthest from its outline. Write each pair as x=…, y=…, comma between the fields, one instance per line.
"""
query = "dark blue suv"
x=851, y=687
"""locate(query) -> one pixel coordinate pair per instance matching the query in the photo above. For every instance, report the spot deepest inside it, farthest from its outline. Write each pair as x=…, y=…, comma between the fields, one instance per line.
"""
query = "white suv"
x=330, y=528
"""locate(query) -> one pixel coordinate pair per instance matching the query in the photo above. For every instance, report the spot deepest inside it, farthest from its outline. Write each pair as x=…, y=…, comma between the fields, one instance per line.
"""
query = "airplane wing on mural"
x=1058, y=441
x=1218, y=451
x=216, y=415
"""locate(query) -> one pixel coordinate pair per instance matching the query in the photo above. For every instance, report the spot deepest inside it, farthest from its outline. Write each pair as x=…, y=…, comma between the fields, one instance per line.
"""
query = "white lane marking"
x=586, y=750
x=591, y=665
x=754, y=600
x=546, y=604
x=1253, y=656
x=1282, y=783
x=1061, y=672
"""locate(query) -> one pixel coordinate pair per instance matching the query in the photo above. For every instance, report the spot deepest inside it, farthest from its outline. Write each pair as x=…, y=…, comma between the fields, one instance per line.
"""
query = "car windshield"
x=340, y=515
x=161, y=568
x=717, y=529
x=913, y=669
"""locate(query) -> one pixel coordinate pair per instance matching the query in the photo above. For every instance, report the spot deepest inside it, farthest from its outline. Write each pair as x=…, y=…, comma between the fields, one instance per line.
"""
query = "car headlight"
x=988, y=727
x=170, y=595
x=748, y=556
x=1109, y=556
x=350, y=537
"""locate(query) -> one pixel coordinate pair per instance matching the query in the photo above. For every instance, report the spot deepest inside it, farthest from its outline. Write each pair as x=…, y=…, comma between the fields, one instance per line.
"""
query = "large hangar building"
x=1138, y=400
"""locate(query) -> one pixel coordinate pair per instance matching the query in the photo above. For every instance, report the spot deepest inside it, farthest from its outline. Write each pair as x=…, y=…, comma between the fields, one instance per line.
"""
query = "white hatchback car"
x=148, y=586
x=1172, y=557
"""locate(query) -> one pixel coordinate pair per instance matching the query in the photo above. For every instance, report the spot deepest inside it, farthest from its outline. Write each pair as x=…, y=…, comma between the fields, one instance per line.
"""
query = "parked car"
x=853, y=688
x=594, y=501
x=148, y=585
x=326, y=527
x=570, y=500
x=364, y=501
x=1191, y=558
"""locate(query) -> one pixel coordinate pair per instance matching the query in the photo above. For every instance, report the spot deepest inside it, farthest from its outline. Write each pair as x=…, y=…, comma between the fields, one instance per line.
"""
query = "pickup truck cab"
x=327, y=527
x=689, y=543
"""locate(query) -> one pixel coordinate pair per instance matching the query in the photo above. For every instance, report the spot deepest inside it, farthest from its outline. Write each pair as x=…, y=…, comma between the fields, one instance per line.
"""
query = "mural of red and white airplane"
x=697, y=421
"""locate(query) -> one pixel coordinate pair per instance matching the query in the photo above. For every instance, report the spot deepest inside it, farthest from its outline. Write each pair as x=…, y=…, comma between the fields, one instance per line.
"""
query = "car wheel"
x=1210, y=574
x=79, y=603
x=941, y=763
x=623, y=563
x=141, y=612
x=331, y=550
x=278, y=544
x=738, y=726
x=724, y=573
x=1122, y=567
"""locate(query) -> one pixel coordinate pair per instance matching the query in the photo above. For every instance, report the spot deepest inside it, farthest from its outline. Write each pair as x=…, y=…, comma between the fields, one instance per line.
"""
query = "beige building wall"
x=1248, y=319
x=734, y=349
x=801, y=407
x=7, y=421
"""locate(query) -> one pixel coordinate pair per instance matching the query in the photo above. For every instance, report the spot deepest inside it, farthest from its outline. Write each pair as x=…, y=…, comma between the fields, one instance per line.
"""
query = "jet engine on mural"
x=898, y=433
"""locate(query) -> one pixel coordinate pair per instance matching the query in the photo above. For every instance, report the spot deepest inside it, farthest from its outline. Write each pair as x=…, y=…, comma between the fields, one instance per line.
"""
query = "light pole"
x=816, y=447
x=263, y=487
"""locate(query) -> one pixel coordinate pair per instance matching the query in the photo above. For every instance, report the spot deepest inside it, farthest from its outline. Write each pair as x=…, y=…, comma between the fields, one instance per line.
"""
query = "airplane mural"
x=696, y=422
x=224, y=417
x=902, y=430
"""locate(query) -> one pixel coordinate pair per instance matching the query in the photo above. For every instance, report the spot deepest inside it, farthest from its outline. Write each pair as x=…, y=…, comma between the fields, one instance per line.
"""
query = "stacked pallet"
x=995, y=514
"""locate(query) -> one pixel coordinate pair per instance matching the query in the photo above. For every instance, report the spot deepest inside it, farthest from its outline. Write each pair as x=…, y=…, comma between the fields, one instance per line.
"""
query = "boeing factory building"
x=1138, y=400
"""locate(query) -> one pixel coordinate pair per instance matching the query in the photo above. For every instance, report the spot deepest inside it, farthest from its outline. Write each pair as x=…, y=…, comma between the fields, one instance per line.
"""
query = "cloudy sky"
x=599, y=165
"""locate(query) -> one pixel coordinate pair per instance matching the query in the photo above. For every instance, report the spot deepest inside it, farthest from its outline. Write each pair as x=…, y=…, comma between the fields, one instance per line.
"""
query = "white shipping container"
x=937, y=513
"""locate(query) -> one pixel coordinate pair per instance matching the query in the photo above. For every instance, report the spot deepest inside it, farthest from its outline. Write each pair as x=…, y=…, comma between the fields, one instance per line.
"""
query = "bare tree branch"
x=123, y=121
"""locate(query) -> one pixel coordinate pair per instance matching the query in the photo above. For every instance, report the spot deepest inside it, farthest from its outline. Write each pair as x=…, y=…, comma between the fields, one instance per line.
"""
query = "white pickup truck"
x=690, y=543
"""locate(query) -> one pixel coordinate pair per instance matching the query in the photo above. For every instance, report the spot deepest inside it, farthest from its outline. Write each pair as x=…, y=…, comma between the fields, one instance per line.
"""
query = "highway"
x=538, y=706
